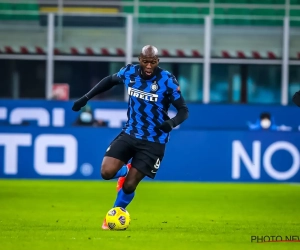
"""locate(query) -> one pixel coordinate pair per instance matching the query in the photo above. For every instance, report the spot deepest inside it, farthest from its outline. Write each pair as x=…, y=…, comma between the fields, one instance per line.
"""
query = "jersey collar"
x=150, y=79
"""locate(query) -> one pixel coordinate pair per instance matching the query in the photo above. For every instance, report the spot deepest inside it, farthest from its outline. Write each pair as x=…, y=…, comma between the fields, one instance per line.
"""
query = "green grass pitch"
x=165, y=215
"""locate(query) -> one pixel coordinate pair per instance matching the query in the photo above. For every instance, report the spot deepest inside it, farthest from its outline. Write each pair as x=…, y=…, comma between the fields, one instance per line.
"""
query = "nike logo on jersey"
x=142, y=95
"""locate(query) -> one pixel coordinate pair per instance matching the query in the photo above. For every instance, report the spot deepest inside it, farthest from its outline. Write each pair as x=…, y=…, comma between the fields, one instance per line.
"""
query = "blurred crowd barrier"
x=191, y=155
x=46, y=139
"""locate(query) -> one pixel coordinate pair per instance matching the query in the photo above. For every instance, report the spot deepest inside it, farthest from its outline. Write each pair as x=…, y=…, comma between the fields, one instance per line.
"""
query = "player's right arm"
x=104, y=85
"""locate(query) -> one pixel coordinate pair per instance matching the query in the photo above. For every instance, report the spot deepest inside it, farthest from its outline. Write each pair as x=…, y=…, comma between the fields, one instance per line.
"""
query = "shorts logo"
x=156, y=166
x=154, y=86
x=108, y=149
x=142, y=95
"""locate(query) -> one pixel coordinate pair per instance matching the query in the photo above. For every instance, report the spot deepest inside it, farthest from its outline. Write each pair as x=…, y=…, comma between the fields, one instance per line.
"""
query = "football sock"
x=123, y=199
x=121, y=173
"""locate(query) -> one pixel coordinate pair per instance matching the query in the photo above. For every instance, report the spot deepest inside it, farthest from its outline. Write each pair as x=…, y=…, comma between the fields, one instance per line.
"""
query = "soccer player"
x=143, y=139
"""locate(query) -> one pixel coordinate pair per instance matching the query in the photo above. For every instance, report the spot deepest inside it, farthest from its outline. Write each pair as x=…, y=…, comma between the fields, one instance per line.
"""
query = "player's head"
x=148, y=60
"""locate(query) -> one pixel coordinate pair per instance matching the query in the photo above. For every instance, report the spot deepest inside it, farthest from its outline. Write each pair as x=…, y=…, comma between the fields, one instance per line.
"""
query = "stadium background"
x=234, y=59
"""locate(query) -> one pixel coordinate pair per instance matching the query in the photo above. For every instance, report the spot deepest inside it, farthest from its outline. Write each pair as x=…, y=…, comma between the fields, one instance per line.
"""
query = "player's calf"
x=132, y=180
x=129, y=186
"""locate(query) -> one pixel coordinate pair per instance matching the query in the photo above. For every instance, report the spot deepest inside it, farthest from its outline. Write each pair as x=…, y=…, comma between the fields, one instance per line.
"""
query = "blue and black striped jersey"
x=149, y=101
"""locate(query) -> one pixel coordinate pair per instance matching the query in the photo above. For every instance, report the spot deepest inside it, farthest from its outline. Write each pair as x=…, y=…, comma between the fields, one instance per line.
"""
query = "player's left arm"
x=178, y=102
x=296, y=98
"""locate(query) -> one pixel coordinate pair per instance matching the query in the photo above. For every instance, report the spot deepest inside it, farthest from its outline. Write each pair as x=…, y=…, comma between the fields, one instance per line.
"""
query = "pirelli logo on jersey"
x=142, y=95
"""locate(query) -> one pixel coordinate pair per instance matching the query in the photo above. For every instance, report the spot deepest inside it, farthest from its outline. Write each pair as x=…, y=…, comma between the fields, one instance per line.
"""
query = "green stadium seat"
x=187, y=10
x=265, y=13
x=281, y=14
x=237, y=1
x=179, y=1
x=261, y=2
x=221, y=12
x=231, y=1
x=295, y=23
x=197, y=1
x=251, y=1
x=20, y=7
x=295, y=13
x=2, y=6
x=144, y=9
x=162, y=10
x=11, y=7
x=128, y=9
x=6, y=7
x=33, y=8
x=204, y=11
x=295, y=2
x=244, y=13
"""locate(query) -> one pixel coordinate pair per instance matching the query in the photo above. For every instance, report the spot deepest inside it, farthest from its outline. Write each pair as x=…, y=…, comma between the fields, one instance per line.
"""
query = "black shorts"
x=146, y=156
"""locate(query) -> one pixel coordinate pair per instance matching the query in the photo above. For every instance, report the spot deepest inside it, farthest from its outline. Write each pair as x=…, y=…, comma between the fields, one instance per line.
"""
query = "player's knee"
x=129, y=187
x=106, y=174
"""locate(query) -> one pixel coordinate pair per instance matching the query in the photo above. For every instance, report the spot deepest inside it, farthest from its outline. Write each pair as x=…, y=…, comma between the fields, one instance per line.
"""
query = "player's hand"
x=81, y=102
x=296, y=98
x=167, y=126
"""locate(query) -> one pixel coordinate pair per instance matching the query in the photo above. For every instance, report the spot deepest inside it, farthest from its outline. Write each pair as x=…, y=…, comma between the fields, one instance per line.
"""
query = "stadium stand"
x=231, y=13
x=31, y=10
x=248, y=15
x=244, y=36
x=19, y=11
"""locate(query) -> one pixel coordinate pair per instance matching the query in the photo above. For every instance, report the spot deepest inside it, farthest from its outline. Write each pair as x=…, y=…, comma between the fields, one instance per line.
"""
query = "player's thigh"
x=148, y=158
x=117, y=154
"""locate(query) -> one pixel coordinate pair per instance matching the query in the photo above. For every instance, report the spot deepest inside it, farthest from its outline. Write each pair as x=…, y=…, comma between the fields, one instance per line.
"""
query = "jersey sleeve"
x=177, y=101
x=173, y=89
x=122, y=71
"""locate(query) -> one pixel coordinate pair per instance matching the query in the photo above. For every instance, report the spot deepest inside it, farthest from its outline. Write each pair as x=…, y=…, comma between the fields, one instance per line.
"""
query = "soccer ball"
x=117, y=218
